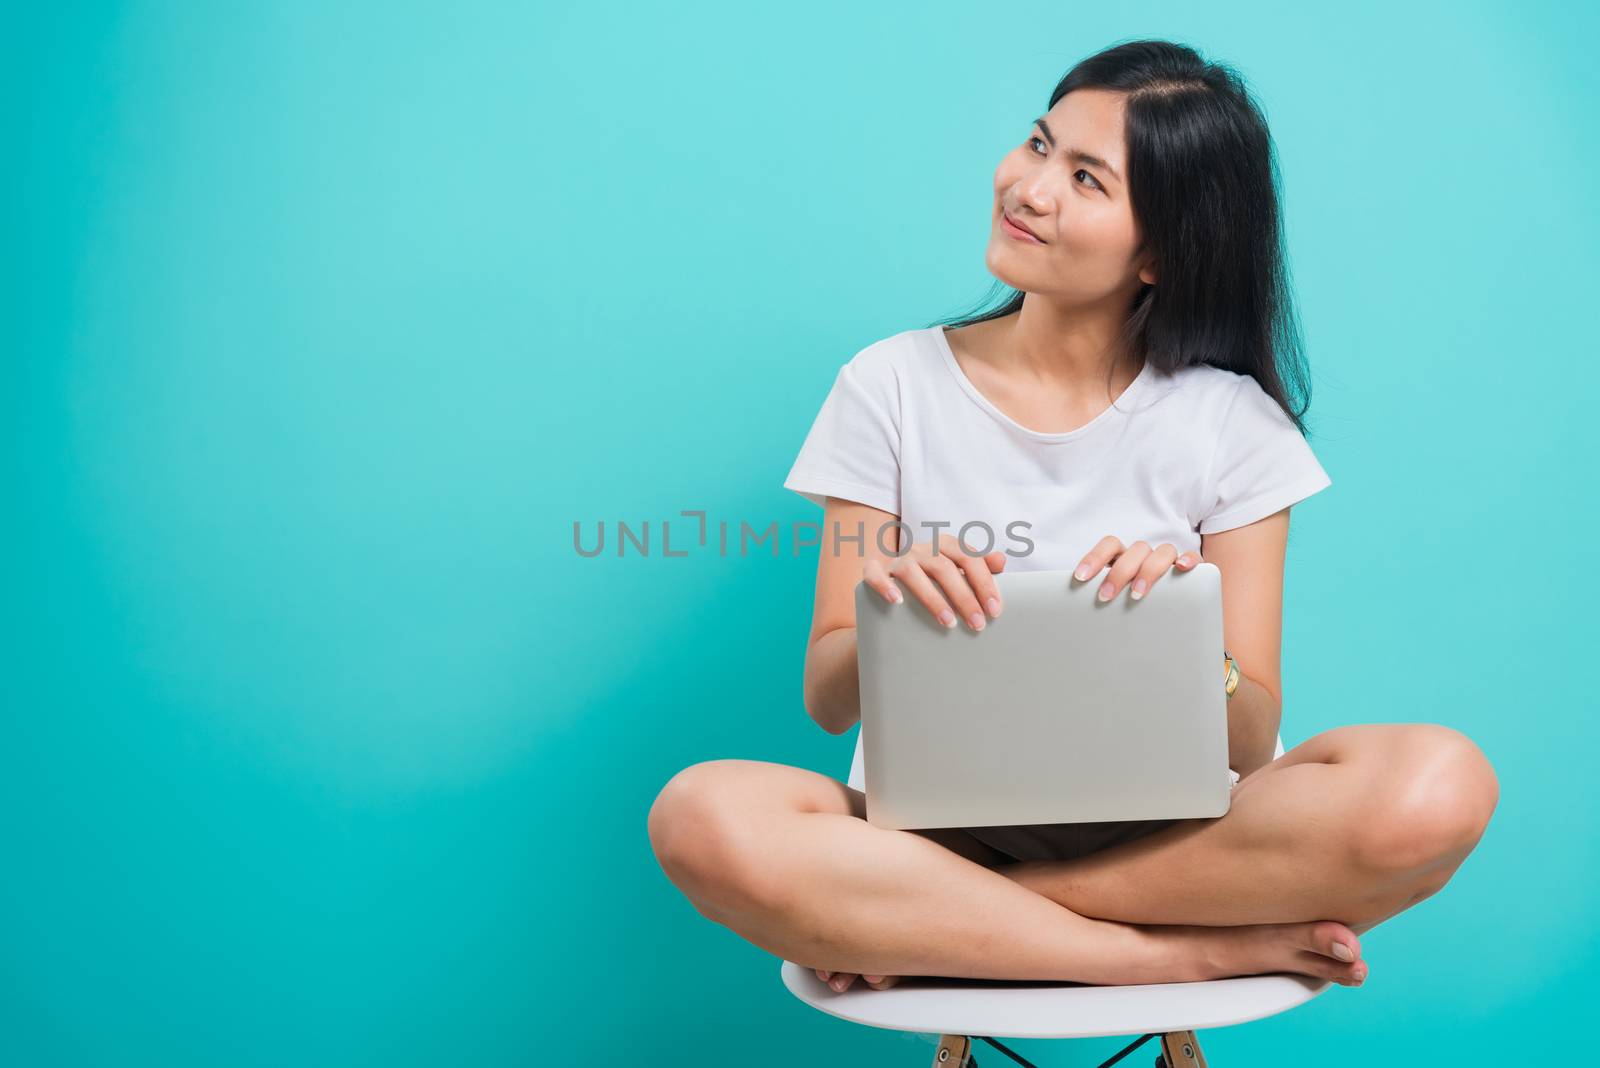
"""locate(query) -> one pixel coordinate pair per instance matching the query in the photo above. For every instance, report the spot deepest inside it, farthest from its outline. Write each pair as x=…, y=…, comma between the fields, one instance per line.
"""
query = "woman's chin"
x=1003, y=268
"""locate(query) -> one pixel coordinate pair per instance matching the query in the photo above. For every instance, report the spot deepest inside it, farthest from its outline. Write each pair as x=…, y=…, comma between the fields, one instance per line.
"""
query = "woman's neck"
x=1063, y=349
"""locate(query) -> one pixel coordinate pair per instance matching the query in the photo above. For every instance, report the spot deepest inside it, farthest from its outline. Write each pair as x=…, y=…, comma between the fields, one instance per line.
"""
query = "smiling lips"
x=1017, y=230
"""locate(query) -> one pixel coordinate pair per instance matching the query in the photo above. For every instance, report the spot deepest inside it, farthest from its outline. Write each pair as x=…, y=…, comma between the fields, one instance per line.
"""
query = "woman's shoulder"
x=1207, y=378
x=892, y=367
x=1217, y=402
x=1203, y=387
x=895, y=355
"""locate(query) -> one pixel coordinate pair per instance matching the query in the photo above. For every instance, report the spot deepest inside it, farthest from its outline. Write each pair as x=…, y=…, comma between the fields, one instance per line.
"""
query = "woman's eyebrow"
x=1076, y=153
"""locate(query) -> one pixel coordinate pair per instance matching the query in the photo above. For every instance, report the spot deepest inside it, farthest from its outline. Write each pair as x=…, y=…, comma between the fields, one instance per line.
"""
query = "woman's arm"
x=832, y=683
x=1251, y=559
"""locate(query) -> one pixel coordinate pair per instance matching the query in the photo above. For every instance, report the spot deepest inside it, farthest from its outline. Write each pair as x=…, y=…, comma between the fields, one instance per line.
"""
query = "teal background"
x=324, y=323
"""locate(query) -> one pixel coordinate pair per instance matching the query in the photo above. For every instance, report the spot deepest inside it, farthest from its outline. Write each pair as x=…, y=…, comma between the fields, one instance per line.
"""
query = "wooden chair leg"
x=1179, y=1049
x=1182, y=1050
x=954, y=1051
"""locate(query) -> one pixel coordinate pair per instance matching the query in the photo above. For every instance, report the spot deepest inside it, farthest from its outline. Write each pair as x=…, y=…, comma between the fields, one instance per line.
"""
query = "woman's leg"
x=785, y=858
x=1356, y=824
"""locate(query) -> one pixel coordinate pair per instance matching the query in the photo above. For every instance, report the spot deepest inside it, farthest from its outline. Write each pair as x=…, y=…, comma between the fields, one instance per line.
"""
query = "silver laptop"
x=1063, y=710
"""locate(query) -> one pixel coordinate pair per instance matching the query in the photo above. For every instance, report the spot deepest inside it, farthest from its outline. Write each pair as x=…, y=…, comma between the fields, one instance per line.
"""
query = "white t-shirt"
x=1174, y=457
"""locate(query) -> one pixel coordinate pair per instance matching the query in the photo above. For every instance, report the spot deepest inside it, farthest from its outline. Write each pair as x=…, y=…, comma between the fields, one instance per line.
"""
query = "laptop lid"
x=1063, y=710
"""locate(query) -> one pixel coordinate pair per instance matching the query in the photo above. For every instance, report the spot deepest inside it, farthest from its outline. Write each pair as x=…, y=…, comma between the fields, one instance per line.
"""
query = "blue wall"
x=323, y=323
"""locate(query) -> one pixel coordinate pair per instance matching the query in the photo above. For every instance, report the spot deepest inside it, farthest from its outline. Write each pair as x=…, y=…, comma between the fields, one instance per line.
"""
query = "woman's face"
x=1079, y=207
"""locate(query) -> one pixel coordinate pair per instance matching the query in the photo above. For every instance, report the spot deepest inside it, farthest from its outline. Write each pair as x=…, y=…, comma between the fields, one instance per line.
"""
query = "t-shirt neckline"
x=942, y=343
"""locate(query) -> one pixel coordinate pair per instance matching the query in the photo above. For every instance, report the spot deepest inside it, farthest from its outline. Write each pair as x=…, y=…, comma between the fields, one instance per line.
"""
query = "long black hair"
x=1203, y=179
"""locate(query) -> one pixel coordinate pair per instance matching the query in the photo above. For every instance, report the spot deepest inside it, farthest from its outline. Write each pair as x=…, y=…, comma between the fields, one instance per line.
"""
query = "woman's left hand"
x=1137, y=564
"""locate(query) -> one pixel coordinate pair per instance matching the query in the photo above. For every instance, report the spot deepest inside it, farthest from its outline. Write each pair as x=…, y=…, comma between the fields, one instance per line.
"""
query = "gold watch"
x=1230, y=674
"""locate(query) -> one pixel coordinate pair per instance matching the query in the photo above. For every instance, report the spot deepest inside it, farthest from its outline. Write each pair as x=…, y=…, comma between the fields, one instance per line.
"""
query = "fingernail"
x=1082, y=574
x=1184, y=559
x=1342, y=951
x=1105, y=591
x=1138, y=589
x=976, y=619
x=873, y=978
x=894, y=595
x=947, y=617
x=993, y=605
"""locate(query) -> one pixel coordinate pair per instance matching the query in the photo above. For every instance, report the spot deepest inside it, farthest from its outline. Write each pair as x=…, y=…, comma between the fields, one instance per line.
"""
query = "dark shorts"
x=1064, y=841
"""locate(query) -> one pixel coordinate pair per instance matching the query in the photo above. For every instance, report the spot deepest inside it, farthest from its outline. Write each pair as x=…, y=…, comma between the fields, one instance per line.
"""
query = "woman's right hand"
x=966, y=579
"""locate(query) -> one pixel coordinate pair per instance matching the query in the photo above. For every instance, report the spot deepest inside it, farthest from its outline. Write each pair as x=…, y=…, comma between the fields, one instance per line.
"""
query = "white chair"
x=962, y=1011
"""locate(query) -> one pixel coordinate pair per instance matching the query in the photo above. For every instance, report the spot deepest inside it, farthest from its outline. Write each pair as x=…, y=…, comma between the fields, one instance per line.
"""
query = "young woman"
x=1131, y=406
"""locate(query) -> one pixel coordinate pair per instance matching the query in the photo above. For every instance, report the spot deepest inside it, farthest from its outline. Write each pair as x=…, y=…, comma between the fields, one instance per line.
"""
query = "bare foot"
x=1302, y=948
x=840, y=981
x=1224, y=952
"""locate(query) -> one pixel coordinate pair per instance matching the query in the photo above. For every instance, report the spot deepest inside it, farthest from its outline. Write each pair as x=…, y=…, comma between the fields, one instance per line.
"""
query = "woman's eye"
x=1037, y=139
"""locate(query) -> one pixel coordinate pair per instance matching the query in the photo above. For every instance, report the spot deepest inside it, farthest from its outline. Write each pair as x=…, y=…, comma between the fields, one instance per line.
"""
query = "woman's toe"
x=1323, y=967
x=1334, y=939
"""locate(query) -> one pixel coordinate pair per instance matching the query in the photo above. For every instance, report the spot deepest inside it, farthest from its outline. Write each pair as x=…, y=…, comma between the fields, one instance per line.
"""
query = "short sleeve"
x=853, y=448
x=1262, y=463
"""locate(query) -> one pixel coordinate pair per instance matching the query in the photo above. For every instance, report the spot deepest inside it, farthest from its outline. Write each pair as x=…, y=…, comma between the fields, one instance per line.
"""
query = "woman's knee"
x=694, y=822
x=1432, y=801
x=715, y=825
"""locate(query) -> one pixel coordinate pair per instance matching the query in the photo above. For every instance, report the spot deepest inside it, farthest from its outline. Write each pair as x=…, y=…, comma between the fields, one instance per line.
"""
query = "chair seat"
x=1002, y=1009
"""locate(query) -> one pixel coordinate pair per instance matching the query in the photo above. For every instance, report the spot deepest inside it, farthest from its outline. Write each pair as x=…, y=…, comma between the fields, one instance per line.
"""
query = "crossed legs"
x=1336, y=835
x=1351, y=825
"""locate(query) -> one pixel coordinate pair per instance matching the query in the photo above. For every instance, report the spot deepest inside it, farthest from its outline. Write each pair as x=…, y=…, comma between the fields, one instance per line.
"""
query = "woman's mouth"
x=1013, y=230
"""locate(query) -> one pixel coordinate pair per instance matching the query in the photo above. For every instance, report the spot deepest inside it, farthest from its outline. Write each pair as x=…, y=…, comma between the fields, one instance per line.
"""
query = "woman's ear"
x=1147, y=273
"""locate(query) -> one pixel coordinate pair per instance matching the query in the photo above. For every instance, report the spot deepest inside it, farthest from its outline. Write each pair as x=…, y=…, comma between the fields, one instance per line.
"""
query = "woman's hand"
x=928, y=567
x=1138, y=562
